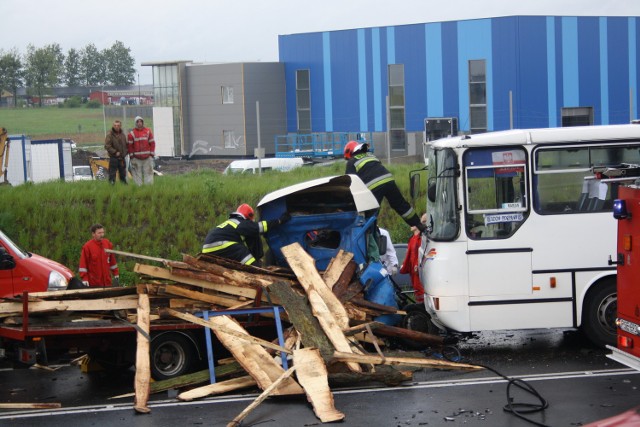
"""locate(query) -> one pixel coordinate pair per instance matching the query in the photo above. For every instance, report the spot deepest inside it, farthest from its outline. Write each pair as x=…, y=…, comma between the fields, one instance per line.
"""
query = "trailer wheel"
x=599, y=313
x=417, y=319
x=171, y=356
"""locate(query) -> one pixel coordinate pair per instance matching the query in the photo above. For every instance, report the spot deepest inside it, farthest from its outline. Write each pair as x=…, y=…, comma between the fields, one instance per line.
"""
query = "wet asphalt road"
x=579, y=382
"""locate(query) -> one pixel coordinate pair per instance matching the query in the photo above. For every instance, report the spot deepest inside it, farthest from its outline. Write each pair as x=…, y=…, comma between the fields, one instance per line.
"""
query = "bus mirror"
x=414, y=188
x=431, y=190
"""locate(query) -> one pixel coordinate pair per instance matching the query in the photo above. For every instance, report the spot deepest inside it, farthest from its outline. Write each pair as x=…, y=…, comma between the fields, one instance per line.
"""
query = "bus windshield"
x=442, y=212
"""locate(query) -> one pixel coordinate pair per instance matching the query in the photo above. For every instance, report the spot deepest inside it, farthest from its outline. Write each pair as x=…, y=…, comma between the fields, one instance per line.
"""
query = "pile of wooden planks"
x=330, y=320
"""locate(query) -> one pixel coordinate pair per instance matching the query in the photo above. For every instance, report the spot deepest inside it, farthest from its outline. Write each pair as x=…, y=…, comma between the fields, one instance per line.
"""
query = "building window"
x=303, y=101
x=165, y=86
x=397, y=133
x=229, y=137
x=577, y=116
x=227, y=94
x=478, y=96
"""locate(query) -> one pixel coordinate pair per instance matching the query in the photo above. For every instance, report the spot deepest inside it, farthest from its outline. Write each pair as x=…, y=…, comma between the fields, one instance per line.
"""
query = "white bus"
x=519, y=238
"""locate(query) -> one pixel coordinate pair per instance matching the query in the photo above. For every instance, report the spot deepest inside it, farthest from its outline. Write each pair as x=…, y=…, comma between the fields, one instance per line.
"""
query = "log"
x=201, y=296
x=143, y=364
x=221, y=328
x=217, y=388
x=337, y=268
x=303, y=265
x=410, y=361
x=271, y=272
x=299, y=313
x=253, y=358
x=387, y=375
x=375, y=306
x=312, y=376
x=242, y=415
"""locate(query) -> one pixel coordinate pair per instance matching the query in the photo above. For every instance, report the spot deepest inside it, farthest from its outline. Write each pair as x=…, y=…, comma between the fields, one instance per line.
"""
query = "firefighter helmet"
x=349, y=149
x=245, y=210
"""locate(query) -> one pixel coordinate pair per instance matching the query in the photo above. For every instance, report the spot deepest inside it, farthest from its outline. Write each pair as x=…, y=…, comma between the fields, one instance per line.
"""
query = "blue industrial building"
x=487, y=74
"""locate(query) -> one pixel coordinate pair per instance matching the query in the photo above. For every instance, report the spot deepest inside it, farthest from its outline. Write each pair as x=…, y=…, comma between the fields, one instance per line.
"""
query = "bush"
x=73, y=102
x=94, y=103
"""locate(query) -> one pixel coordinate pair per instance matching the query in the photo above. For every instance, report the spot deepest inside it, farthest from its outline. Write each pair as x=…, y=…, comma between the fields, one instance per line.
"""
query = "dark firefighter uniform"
x=381, y=183
x=238, y=238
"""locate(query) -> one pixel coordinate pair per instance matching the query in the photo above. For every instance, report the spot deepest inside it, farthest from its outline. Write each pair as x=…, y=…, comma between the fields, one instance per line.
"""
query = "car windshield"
x=83, y=171
x=12, y=246
x=441, y=212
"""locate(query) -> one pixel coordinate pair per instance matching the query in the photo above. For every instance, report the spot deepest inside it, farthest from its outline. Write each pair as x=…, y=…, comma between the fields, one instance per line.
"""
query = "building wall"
x=264, y=82
x=208, y=116
x=546, y=62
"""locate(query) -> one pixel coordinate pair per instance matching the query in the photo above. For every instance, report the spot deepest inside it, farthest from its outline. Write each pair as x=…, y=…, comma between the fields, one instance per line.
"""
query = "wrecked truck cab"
x=327, y=215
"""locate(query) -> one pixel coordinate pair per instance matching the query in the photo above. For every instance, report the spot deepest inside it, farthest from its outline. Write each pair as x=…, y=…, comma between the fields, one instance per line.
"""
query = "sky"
x=243, y=30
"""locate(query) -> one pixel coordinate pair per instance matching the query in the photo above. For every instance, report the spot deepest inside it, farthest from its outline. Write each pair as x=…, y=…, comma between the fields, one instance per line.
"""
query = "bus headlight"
x=57, y=282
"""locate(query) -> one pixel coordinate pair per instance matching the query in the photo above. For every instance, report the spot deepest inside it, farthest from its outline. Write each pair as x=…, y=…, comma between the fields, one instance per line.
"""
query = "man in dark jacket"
x=116, y=145
x=238, y=238
x=379, y=180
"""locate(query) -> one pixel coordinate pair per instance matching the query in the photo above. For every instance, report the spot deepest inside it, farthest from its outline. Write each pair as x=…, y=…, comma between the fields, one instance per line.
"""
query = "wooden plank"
x=86, y=293
x=217, y=388
x=242, y=415
x=119, y=303
x=200, y=296
x=411, y=361
x=221, y=328
x=330, y=326
x=163, y=273
x=408, y=334
x=143, y=364
x=312, y=376
x=30, y=405
x=337, y=267
x=138, y=256
x=300, y=315
x=253, y=358
x=303, y=265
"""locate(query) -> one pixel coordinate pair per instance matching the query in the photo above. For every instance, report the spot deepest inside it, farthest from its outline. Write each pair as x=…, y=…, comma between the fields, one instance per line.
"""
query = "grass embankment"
x=84, y=125
x=163, y=220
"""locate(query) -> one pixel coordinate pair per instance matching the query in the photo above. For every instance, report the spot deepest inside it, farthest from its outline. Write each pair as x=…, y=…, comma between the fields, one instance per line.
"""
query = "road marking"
x=244, y=398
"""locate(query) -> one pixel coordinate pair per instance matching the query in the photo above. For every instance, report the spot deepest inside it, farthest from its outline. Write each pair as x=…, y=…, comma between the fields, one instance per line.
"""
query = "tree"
x=92, y=66
x=72, y=76
x=43, y=68
x=119, y=62
x=11, y=73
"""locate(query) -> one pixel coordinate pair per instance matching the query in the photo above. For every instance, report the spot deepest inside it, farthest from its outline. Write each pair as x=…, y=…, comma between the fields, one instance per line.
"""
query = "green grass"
x=164, y=220
x=84, y=125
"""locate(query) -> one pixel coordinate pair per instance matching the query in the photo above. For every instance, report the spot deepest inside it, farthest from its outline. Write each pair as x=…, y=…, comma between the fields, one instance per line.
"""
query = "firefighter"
x=96, y=265
x=238, y=238
x=141, y=146
x=379, y=180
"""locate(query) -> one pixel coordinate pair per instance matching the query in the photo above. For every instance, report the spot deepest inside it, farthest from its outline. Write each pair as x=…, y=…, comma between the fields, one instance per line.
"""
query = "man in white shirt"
x=389, y=259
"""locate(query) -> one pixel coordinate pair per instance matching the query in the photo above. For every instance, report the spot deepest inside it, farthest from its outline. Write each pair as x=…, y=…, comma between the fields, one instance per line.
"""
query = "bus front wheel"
x=599, y=313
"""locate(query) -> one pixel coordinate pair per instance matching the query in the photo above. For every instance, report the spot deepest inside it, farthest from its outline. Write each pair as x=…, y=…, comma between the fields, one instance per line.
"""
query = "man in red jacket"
x=142, y=149
x=411, y=264
x=97, y=265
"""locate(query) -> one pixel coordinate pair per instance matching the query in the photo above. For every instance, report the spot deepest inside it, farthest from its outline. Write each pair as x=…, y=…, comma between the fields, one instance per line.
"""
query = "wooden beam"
x=338, y=267
x=163, y=273
x=242, y=415
x=312, y=376
x=218, y=327
x=201, y=296
x=30, y=405
x=143, y=364
x=138, y=256
x=411, y=361
x=416, y=336
x=303, y=265
x=217, y=388
x=119, y=303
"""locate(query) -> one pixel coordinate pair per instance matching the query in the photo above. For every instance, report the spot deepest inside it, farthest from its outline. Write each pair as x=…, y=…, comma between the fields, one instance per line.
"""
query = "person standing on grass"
x=116, y=145
x=96, y=264
x=142, y=150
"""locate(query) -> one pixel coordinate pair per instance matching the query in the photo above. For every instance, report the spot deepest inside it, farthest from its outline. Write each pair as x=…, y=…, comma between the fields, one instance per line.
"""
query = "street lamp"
x=139, y=99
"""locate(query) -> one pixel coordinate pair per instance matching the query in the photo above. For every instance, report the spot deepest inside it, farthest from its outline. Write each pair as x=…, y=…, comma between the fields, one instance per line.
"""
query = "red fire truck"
x=626, y=209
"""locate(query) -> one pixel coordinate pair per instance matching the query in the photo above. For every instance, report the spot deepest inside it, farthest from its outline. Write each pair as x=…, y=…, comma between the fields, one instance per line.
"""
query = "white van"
x=82, y=173
x=251, y=165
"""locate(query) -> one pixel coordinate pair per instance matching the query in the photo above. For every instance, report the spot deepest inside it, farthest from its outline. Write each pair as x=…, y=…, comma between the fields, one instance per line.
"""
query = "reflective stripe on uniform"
x=216, y=246
x=408, y=213
x=360, y=163
x=141, y=152
x=374, y=183
x=113, y=267
x=83, y=270
x=232, y=222
x=262, y=226
x=248, y=260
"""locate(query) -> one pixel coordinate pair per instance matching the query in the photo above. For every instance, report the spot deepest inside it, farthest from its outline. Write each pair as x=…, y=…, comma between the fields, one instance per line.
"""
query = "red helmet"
x=245, y=210
x=349, y=148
